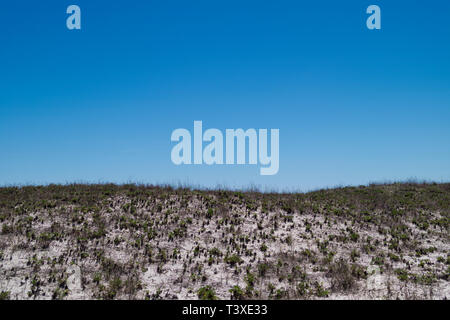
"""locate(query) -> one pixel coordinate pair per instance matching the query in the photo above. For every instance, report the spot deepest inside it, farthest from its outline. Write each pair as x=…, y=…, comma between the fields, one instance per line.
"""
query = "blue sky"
x=98, y=105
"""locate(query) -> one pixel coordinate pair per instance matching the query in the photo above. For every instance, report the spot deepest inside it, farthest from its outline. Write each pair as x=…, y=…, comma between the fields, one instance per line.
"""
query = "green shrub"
x=215, y=252
x=233, y=260
x=354, y=236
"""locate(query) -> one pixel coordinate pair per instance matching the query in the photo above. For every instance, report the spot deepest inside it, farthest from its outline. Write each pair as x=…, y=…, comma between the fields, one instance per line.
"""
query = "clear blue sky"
x=353, y=105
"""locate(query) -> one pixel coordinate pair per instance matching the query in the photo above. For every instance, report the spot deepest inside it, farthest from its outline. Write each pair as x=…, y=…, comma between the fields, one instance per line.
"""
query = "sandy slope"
x=136, y=242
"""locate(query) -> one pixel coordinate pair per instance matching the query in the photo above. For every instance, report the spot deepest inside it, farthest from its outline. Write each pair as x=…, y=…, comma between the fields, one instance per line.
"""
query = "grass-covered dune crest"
x=106, y=241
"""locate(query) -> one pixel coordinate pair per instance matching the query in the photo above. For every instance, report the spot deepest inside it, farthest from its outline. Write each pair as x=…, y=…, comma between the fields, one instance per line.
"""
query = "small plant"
x=354, y=255
x=236, y=293
x=280, y=294
x=250, y=279
x=402, y=274
x=358, y=271
x=425, y=279
x=394, y=257
x=233, y=260
x=206, y=293
x=262, y=269
x=59, y=293
x=6, y=229
x=302, y=288
x=5, y=295
x=215, y=252
x=354, y=236
x=271, y=288
x=378, y=260
x=114, y=286
x=97, y=277
x=320, y=290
